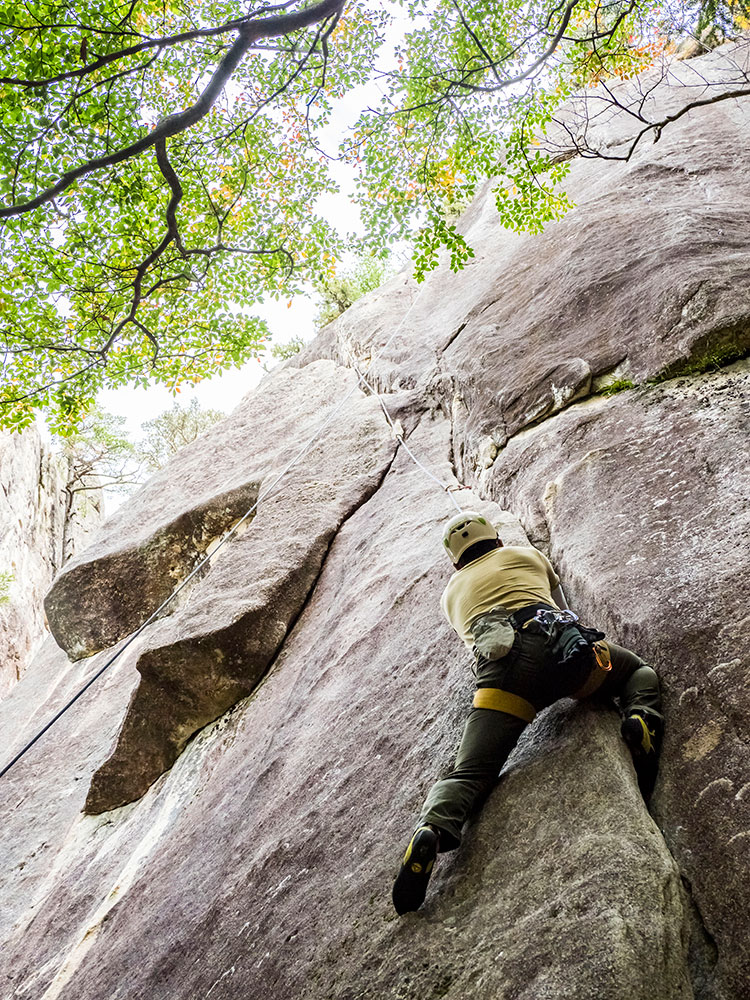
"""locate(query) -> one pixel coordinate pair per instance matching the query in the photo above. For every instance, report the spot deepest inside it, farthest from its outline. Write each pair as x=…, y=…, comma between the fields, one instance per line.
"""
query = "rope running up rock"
x=361, y=381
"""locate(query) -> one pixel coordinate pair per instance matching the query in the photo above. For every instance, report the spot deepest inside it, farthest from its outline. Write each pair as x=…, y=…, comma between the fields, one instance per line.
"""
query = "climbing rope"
x=263, y=495
x=398, y=434
x=229, y=534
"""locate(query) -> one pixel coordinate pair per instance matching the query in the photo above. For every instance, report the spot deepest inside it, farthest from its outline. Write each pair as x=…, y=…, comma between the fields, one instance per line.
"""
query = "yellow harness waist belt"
x=504, y=701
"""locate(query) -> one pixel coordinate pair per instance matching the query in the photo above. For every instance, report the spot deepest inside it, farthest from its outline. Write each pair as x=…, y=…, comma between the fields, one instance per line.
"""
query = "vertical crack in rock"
x=629, y=489
x=540, y=518
x=442, y=350
x=311, y=591
x=703, y=954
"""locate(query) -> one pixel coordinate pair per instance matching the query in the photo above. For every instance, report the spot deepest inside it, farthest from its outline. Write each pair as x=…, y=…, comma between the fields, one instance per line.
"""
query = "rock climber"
x=507, y=604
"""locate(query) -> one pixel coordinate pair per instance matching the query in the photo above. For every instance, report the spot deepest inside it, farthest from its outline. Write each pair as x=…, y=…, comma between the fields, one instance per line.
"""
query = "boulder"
x=216, y=649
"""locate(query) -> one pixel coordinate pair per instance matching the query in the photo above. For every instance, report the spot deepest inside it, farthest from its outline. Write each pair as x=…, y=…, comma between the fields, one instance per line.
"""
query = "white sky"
x=221, y=393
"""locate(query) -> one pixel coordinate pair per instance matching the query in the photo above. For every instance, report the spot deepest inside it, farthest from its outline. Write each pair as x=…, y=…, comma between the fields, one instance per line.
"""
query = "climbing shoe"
x=411, y=883
x=642, y=734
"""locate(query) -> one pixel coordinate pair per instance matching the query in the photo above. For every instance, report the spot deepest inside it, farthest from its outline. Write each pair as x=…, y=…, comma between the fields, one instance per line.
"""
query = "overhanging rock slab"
x=157, y=538
x=216, y=646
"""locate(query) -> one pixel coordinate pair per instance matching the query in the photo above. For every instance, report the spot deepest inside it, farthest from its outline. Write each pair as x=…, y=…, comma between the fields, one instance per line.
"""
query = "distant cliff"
x=40, y=527
x=250, y=768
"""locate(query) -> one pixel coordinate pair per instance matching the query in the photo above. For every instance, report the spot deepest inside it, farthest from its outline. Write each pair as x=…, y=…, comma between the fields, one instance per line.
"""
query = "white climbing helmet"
x=463, y=530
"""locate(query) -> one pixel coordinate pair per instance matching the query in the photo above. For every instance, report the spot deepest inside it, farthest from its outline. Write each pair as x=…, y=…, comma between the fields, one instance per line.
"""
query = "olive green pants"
x=489, y=735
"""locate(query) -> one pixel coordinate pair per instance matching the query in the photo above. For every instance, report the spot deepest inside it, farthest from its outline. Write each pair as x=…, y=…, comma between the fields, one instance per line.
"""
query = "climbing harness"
x=567, y=639
x=599, y=671
x=494, y=634
x=264, y=494
x=503, y=701
x=549, y=617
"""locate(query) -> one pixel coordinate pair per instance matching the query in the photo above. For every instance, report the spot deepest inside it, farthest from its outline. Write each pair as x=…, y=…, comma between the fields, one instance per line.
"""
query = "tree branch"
x=477, y=42
x=161, y=42
x=174, y=183
x=657, y=127
x=539, y=61
x=248, y=33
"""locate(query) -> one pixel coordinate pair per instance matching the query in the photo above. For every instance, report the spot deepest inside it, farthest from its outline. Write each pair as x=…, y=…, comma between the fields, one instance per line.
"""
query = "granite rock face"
x=642, y=499
x=161, y=534
x=214, y=649
x=40, y=527
x=274, y=838
x=267, y=744
x=647, y=278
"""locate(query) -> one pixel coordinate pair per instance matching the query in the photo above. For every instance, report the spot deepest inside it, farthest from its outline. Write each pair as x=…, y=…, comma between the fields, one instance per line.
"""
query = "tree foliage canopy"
x=340, y=290
x=160, y=162
x=102, y=456
x=166, y=434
